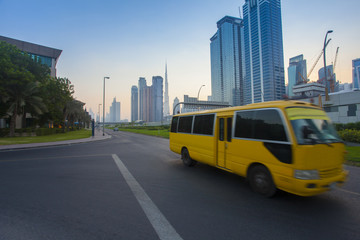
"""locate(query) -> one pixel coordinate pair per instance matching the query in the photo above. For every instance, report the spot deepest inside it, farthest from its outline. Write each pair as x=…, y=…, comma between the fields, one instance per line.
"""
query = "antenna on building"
x=240, y=13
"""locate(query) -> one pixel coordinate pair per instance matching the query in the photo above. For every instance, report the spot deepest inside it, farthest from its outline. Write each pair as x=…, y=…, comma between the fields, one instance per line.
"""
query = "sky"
x=128, y=39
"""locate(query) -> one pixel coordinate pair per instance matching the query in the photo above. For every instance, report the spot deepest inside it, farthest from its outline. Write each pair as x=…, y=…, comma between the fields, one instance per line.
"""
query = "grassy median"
x=353, y=156
x=160, y=131
x=49, y=138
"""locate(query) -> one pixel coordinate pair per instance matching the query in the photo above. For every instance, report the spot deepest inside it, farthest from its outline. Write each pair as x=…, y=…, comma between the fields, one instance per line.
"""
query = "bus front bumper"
x=314, y=187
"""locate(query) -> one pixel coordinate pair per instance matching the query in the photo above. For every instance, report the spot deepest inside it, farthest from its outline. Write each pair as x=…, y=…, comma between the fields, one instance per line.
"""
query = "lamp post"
x=199, y=95
x=325, y=44
x=104, y=106
x=99, y=112
x=199, y=92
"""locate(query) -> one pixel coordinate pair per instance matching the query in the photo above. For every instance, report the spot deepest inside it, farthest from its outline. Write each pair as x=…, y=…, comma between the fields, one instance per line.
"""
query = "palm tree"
x=73, y=111
x=21, y=96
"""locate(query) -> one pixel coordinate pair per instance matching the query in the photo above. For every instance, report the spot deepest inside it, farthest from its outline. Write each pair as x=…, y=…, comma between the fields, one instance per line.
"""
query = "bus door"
x=224, y=138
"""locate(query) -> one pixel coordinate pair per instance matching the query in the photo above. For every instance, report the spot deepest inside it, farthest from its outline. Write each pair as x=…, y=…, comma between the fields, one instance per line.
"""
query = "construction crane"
x=336, y=54
x=332, y=78
x=317, y=60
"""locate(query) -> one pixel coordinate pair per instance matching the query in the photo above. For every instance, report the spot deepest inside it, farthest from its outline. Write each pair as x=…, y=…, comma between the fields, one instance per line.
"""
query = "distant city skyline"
x=98, y=40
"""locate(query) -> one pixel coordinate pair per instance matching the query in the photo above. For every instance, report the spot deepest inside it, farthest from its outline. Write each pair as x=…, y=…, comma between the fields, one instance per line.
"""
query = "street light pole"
x=199, y=95
x=199, y=92
x=325, y=44
x=104, y=107
x=99, y=112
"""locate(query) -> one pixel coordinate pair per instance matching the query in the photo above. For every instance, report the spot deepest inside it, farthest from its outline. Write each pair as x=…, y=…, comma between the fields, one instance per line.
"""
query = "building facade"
x=115, y=111
x=264, y=61
x=356, y=73
x=157, y=107
x=297, y=73
x=226, y=62
x=134, y=103
x=142, y=86
x=46, y=55
x=330, y=84
x=151, y=106
x=193, y=104
x=176, y=107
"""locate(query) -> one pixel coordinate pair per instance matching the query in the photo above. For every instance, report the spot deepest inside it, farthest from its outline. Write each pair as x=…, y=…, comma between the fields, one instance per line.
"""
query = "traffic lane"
x=68, y=198
x=207, y=203
x=353, y=181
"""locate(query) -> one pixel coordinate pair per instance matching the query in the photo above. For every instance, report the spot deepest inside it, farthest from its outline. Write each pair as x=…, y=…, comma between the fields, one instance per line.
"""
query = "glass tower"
x=157, y=99
x=226, y=63
x=134, y=103
x=264, y=60
x=142, y=87
x=297, y=73
x=356, y=73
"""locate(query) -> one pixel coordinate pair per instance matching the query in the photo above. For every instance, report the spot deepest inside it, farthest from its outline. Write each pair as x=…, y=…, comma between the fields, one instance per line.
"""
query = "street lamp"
x=199, y=95
x=99, y=113
x=104, y=106
x=199, y=92
x=325, y=44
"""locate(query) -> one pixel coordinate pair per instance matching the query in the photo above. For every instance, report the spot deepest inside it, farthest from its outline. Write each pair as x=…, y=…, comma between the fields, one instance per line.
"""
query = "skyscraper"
x=166, y=100
x=297, y=73
x=356, y=73
x=175, y=104
x=151, y=100
x=264, y=61
x=331, y=78
x=142, y=86
x=157, y=99
x=226, y=63
x=134, y=104
x=115, y=111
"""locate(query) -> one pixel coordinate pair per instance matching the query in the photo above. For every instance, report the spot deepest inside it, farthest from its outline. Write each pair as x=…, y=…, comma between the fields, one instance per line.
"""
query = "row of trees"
x=27, y=87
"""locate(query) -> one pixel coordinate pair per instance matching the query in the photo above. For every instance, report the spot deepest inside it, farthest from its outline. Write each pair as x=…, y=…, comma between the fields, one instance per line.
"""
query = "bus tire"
x=261, y=181
x=185, y=156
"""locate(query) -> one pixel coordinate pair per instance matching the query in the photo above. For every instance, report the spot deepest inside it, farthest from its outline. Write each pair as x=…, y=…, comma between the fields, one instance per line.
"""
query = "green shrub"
x=45, y=131
x=4, y=132
x=342, y=126
x=350, y=135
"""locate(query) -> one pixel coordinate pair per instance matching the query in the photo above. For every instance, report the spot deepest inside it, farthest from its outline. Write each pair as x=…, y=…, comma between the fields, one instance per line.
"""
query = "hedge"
x=350, y=135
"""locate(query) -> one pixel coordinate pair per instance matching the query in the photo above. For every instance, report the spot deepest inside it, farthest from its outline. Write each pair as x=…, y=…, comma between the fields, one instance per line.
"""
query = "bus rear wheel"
x=261, y=181
x=185, y=156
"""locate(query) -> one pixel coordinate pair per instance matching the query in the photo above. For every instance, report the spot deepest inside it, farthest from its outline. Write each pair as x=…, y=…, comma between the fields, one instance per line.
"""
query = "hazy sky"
x=128, y=39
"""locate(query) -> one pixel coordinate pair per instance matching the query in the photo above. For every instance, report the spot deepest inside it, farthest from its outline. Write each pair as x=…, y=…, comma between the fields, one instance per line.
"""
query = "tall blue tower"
x=356, y=73
x=226, y=62
x=264, y=60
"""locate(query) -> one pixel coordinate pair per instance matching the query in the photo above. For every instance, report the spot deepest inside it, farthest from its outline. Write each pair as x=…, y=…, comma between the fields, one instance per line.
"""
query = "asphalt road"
x=133, y=187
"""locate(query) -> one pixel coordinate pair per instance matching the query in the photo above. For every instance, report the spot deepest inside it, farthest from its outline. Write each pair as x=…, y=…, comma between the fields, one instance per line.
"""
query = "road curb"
x=52, y=144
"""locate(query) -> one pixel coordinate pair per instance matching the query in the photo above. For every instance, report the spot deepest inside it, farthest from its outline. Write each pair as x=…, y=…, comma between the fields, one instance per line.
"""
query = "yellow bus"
x=286, y=145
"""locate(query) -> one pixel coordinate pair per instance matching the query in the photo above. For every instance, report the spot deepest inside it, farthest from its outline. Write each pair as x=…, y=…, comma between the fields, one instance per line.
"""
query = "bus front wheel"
x=185, y=156
x=261, y=181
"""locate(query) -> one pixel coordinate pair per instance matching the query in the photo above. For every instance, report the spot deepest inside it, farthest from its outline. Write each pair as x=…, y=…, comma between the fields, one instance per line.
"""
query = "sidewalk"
x=98, y=136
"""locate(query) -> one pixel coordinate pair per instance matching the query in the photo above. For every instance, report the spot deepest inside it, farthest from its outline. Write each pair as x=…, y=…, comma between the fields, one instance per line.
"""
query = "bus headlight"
x=306, y=174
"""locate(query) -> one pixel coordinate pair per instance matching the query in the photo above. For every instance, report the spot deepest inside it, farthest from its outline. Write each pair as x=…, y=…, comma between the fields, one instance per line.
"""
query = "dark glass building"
x=264, y=60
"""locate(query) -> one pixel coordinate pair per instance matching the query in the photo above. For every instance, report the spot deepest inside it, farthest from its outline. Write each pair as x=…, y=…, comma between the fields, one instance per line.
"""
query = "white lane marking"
x=161, y=225
x=347, y=191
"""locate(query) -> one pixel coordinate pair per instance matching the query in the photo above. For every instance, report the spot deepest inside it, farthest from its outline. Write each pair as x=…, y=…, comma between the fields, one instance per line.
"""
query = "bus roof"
x=270, y=104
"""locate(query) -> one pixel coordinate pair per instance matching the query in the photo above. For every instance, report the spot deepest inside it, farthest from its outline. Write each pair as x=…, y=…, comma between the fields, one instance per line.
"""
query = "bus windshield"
x=312, y=126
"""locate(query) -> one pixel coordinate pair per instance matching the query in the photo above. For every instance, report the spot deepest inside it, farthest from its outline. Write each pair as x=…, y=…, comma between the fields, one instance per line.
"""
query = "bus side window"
x=221, y=129
x=229, y=129
x=174, y=123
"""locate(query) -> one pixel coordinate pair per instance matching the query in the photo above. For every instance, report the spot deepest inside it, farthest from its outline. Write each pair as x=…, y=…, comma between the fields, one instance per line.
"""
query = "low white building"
x=341, y=107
